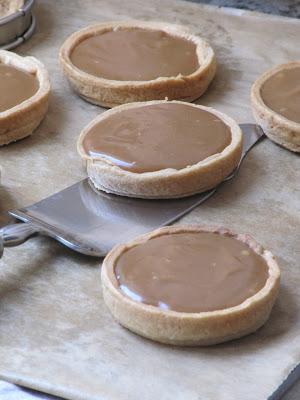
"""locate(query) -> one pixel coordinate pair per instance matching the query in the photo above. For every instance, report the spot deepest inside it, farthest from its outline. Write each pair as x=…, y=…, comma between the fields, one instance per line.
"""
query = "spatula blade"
x=92, y=222
x=96, y=221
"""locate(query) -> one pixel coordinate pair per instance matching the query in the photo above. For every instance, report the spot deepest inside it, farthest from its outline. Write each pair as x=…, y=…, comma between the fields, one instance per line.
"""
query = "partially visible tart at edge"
x=190, y=285
x=160, y=149
x=8, y=7
x=121, y=62
x=275, y=98
x=25, y=82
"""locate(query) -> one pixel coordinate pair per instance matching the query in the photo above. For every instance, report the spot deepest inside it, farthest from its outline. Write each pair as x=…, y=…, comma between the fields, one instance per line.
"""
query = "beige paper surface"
x=56, y=335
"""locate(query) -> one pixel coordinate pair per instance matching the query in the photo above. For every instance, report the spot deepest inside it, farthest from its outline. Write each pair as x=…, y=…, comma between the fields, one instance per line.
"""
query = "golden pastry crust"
x=190, y=329
x=110, y=93
x=166, y=183
x=278, y=128
x=20, y=121
x=8, y=7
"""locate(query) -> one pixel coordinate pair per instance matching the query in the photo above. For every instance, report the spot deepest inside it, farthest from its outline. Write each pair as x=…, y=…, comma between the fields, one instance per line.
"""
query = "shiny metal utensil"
x=92, y=222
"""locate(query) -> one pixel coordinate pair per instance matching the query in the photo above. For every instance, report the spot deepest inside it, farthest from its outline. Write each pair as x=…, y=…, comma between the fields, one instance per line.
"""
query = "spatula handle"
x=15, y=234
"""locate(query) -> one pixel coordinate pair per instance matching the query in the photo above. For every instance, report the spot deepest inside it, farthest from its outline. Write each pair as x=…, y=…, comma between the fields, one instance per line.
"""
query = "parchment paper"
x=56, y=334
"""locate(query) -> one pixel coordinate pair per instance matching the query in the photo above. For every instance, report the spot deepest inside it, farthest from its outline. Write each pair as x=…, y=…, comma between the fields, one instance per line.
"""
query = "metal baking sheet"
x=56, y=334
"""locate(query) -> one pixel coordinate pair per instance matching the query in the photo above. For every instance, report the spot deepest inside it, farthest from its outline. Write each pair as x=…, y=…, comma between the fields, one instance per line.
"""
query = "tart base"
x=279, y=133
x=112, y=105
x=21, y=131
x=159, y=189
x=190, y=329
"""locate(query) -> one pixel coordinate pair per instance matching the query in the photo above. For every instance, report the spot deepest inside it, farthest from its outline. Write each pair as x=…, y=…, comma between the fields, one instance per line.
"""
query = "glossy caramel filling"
x=191, y=272
x=135, y=55
x=16, y=86
x=281, y=93
x=156, y=137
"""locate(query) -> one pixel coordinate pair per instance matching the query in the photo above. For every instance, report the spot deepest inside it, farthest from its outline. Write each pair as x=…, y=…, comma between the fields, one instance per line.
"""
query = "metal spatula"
x=92, y=222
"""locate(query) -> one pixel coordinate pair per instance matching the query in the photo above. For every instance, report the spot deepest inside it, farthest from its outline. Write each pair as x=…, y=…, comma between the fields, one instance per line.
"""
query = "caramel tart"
x=190, y=285
x=114, y=63
x=160, y=149
x=25, y=82
x=275, y=98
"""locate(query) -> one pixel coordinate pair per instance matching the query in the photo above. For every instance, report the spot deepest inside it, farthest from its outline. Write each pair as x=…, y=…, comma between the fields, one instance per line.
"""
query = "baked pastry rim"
x=271, y=120
x=99, y=166
x=172, y=29
x=28, y=64
x=256, y=95
x=113, y=296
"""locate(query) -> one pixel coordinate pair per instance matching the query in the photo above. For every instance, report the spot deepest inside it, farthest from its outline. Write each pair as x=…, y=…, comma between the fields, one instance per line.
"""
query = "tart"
x=160, y=149
x=114, y=63
x=8, y=7
x=275, y=98
x=26, y=84
x=189, y=285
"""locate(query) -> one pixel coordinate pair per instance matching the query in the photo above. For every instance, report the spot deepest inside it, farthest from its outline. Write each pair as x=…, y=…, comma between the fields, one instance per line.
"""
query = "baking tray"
x=56, y=335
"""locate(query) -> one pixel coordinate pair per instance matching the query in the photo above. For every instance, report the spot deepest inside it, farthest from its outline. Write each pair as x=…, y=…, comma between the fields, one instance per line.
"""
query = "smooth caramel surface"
x=135, y=55
x=157, y=136
x=16, y=86
x=191, y=272
x=281, y=93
